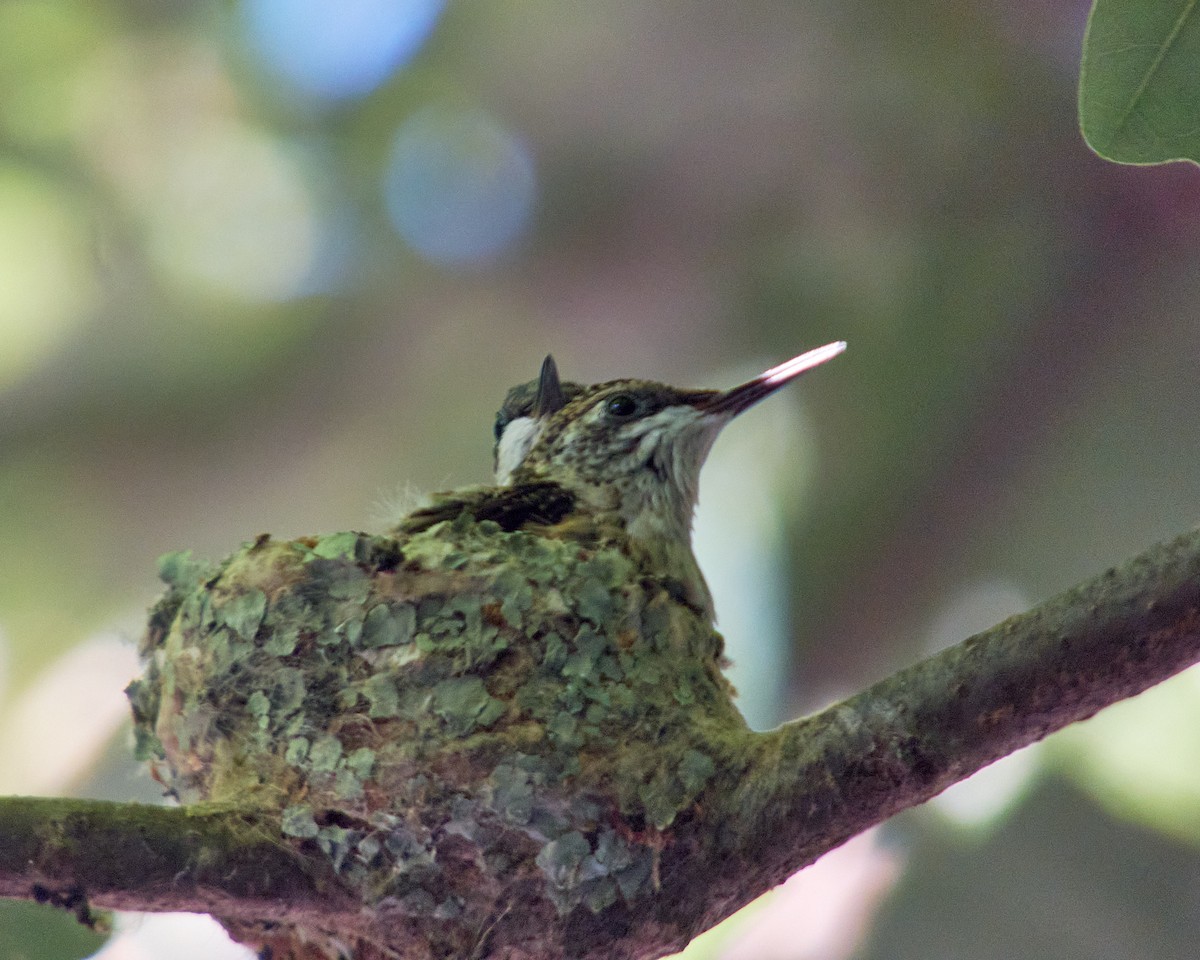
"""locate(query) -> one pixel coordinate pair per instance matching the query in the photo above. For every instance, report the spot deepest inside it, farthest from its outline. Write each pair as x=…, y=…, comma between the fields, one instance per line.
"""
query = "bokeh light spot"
x=180, y=936
x=53, y=732
x=237, y=214
x=47, y=284
x=338, y=50
x=460, y=187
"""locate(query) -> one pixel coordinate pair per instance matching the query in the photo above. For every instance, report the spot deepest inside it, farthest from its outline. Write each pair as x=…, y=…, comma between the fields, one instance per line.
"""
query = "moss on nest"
x=441, y=715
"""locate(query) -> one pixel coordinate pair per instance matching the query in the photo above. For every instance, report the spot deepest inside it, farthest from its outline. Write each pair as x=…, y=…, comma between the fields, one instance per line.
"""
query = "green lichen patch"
x=566, y=862
x=360, y=762
x=383, y=698
x=595, y=871
x=324, y=754
x=182, y=571
x=243, y=613
x=297, y=820
x=282, y=641
x=388, y=626
x=297, y=751
x=464, y=704
x=337, y=546
x=512, y=793
x=695, y=770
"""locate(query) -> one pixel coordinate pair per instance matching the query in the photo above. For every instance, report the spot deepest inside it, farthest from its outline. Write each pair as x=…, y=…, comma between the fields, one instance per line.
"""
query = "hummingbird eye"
x=621, y=406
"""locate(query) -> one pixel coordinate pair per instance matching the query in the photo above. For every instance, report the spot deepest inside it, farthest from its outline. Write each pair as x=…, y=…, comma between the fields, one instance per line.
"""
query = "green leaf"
x=1139, y=84
x=30, y=931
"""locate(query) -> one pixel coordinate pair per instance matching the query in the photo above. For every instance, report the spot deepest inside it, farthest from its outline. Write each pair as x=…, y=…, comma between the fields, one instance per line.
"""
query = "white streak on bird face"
x=515, y=442
x=524, y=414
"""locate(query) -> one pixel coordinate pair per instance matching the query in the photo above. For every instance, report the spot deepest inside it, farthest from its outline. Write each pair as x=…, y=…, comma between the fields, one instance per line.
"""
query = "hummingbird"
x=620, y=458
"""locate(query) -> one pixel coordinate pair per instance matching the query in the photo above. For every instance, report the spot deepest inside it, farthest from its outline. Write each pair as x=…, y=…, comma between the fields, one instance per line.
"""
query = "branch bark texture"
x=127, y=856
x=609, y=857
x=818, y=781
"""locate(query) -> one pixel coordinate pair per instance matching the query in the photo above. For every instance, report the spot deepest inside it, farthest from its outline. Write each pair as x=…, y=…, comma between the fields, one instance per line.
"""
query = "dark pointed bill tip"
x=549, y=398
x=745, y=395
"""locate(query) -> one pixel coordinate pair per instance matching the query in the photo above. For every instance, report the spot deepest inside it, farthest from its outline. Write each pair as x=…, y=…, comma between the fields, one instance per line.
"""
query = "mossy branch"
x=774, y=803
x=131, y=856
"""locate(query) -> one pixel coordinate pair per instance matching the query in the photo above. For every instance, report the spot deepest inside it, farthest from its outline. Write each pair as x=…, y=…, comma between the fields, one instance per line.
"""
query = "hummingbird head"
x=526, y=410
x=630, y=447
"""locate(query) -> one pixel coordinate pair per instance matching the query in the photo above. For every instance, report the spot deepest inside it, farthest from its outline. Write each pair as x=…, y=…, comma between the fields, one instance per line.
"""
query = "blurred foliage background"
x=270, y=266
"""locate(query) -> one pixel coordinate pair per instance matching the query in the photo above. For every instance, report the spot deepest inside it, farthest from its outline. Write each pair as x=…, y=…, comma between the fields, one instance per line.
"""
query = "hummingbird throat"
x=660, y=499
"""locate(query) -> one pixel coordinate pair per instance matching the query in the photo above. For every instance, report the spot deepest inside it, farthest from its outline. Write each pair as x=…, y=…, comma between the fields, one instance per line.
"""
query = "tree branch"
x=774, y=803
x=127, y=856
x=818, y=781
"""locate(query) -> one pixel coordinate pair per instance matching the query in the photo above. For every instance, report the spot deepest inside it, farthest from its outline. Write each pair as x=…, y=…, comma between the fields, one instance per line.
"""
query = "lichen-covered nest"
x=454, y=718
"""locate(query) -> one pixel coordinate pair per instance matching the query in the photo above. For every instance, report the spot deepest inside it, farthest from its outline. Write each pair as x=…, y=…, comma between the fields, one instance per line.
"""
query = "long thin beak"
x=743, y=397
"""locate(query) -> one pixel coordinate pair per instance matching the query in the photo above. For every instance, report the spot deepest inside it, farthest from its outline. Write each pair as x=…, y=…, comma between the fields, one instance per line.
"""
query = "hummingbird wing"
x=540, y=503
